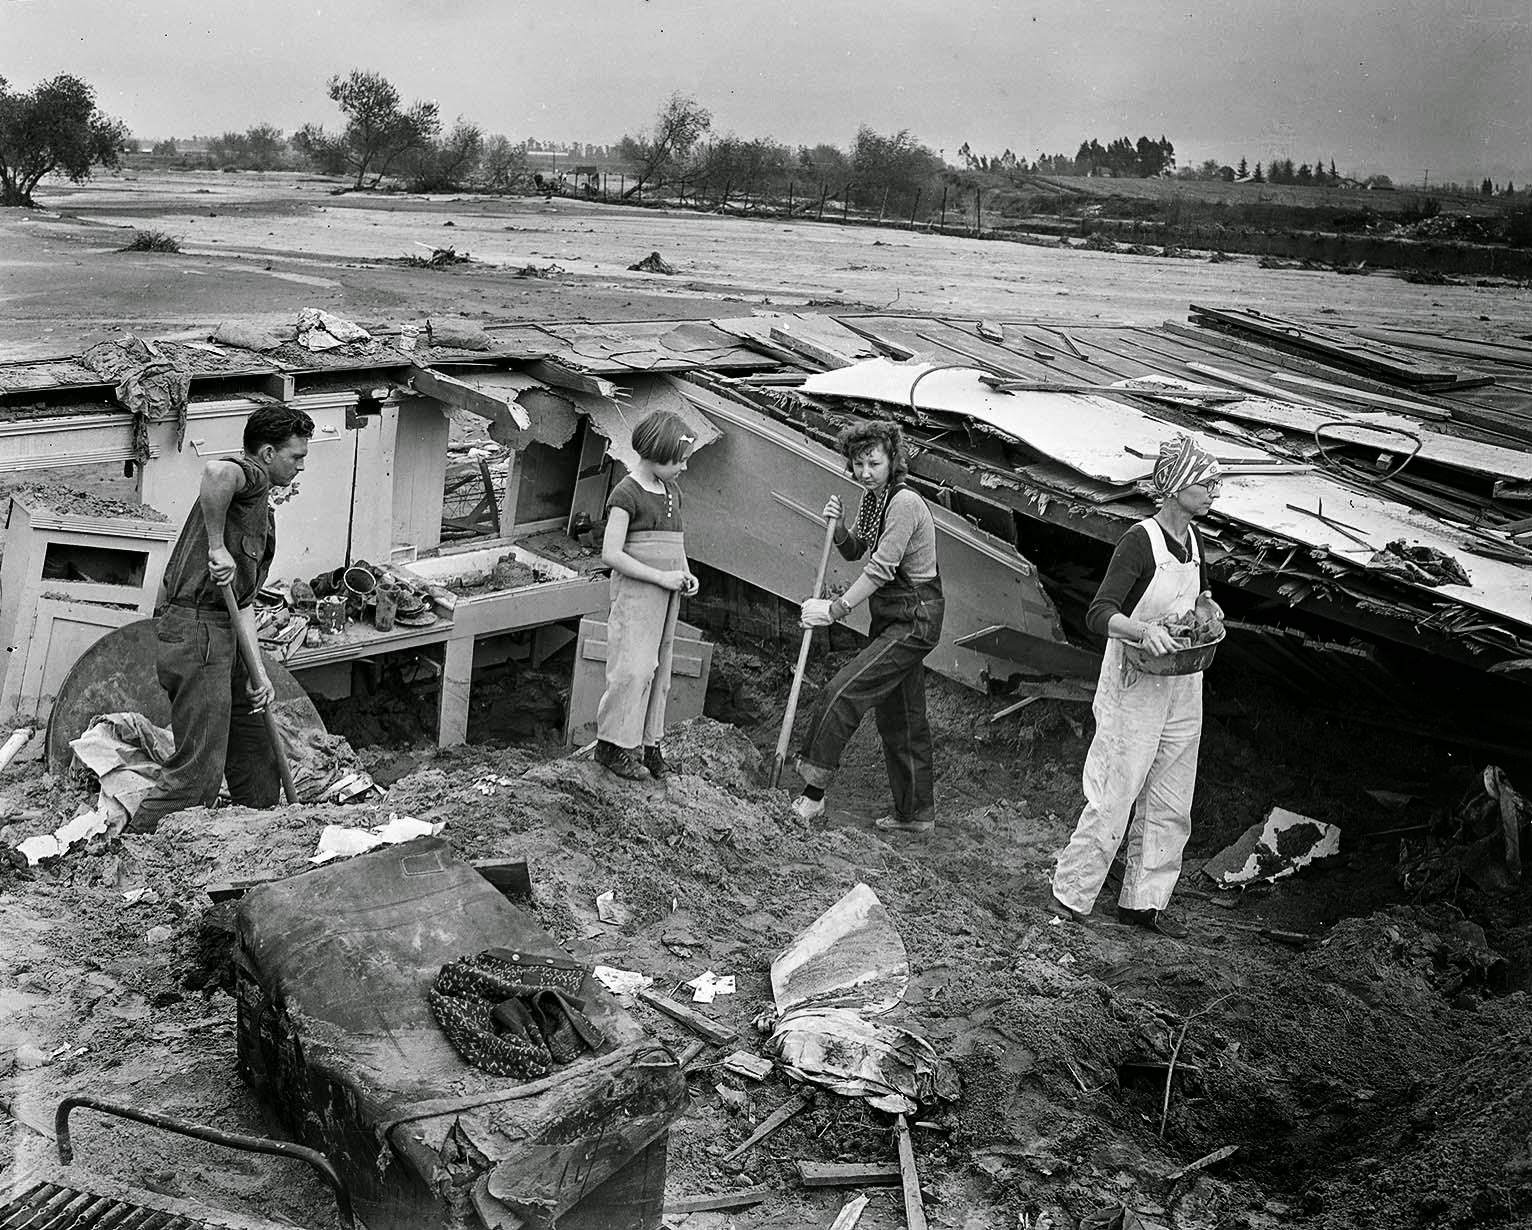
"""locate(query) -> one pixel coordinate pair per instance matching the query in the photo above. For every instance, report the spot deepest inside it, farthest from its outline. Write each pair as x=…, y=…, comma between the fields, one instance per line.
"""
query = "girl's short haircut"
x=876, y=433
x=663, y=438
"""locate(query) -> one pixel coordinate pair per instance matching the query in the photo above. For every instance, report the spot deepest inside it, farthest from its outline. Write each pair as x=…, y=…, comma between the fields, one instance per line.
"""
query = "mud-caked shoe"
x=655, y=762
x=1157, y=921
x=893, y=824
x=806, y=808
x=1056, y=906
x=625, y=762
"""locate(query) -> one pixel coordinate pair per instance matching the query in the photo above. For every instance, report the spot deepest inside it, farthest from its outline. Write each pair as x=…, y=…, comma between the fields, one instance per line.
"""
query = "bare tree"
x=677, y=128
x=54, y=128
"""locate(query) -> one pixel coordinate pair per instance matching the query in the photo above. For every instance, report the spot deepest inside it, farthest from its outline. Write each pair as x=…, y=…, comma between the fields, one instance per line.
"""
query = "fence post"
x=914, y=205
x=882, y=206
x=824, y=192
x=789, y=198
x=622, y=185
x=845, y=204
x=978, y=212
x=942, y=225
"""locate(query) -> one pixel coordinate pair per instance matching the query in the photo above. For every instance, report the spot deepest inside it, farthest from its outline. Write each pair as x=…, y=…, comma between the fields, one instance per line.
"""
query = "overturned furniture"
x=335, y=1031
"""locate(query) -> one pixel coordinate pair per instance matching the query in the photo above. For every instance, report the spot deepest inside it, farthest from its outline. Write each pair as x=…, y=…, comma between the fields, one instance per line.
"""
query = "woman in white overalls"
x=1142, y=764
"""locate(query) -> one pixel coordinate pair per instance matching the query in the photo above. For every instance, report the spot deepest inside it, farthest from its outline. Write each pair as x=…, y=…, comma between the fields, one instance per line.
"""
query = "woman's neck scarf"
x=870, y=514
x=1182, y=463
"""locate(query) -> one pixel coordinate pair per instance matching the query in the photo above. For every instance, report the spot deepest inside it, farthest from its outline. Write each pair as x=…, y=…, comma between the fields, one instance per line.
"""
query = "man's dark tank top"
x=250, y=534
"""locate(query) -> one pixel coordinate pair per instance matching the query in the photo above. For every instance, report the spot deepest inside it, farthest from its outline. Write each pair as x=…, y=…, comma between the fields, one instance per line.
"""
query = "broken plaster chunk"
x=36, y=849
x=337, y=841
x=743, y=1063
x=1273, y=849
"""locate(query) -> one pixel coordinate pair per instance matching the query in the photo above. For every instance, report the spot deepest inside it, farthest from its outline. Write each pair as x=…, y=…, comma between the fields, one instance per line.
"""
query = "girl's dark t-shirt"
x=647, y=510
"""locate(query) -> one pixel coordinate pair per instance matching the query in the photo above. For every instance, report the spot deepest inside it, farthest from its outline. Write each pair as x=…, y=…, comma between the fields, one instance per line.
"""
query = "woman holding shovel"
x=894, y=529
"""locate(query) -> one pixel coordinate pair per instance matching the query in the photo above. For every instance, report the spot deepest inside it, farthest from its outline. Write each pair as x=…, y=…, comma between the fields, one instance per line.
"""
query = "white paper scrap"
x=707, y=986
x=621, y=981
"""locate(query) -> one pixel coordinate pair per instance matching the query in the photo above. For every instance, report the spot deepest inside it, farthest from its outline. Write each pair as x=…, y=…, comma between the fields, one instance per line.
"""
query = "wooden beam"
x=465, y=396
x=743, y=1199
x=847, y=1174
x=702, y=1026
x=811, y=350
x=551, y=371
x=1417, y=408
x=914, y=1205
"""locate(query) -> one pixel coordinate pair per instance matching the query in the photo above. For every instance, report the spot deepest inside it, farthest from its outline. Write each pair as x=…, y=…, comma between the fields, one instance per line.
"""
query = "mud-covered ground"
x=1376, y=1076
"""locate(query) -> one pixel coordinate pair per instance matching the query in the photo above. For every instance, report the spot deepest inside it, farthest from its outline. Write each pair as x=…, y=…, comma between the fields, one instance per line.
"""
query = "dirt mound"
x=1375, y=1075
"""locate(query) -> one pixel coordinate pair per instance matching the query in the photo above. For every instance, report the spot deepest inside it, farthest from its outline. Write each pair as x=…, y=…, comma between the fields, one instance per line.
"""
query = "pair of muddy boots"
x=629, y=763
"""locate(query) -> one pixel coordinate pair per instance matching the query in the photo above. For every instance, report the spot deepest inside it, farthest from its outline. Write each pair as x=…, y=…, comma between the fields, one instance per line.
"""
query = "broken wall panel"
x=754, y=501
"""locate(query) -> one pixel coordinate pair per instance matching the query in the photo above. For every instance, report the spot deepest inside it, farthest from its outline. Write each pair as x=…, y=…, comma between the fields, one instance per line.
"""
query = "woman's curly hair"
x=859, y=437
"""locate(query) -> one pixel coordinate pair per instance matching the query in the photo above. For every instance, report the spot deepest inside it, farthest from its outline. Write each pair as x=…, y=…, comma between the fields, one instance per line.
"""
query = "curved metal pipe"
x=232, y=1140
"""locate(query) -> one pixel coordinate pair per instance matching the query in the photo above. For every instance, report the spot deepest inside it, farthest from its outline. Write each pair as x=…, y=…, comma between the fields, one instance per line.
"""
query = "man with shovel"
x=216, y=706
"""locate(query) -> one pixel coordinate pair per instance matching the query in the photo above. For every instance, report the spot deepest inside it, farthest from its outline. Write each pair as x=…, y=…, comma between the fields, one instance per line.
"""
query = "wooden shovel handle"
x=803, y=659
x=251, y=653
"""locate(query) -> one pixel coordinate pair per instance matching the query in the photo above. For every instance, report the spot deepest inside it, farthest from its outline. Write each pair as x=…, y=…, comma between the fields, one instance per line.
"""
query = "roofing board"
x=1093, y=435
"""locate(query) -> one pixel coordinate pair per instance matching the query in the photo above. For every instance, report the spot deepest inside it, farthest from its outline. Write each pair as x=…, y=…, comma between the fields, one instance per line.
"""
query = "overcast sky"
x=1394, y=86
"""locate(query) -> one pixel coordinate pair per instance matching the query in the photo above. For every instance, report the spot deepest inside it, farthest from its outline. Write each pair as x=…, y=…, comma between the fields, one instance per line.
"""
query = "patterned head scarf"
x=1181, y=464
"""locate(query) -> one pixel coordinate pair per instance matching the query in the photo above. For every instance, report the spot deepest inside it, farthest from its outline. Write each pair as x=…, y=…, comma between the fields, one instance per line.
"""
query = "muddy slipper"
x=892, y=824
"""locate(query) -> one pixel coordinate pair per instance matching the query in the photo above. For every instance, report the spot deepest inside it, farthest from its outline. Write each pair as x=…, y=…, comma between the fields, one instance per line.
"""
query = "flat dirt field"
x=1348, y=1047
x=261, y=247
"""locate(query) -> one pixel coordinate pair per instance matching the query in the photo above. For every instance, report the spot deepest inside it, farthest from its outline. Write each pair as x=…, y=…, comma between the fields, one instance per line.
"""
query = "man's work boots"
x=1157, y=921
x=623, y=761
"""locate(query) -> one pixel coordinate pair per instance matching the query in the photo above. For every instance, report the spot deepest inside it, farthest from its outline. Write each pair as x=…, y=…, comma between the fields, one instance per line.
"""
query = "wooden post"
x=942, y=225
x=978, y=212
x=883, y=205
x=914, y=1206
x=824, y=192
x=914, y=205
x=622, y=185
x=845, y=205
x=789, y=198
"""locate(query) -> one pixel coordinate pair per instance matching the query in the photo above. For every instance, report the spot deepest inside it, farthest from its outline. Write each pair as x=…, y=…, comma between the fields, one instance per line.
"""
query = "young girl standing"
x=904, y=589
x=646, y=552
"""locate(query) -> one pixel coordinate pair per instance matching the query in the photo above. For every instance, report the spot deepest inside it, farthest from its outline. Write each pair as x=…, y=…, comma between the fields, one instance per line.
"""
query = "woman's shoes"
x=625, y=762
x=892, y=824
x=654, y=761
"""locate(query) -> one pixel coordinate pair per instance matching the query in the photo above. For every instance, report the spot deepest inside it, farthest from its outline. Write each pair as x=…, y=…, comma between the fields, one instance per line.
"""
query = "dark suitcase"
x=335, y=1032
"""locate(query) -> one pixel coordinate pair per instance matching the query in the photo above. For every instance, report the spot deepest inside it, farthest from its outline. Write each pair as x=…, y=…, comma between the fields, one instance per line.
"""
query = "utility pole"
x=1426, y=183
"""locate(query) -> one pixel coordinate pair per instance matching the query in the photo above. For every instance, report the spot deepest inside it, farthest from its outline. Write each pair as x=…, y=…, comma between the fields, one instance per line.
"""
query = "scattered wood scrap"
x=798, y=1102
x=914, y=1204
x=702, y=1026
x=847, y=1174
x=743, y=1199
x=1202, y=1163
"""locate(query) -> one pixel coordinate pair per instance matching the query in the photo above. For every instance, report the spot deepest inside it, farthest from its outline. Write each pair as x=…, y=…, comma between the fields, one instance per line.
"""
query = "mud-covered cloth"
x=510, y=1018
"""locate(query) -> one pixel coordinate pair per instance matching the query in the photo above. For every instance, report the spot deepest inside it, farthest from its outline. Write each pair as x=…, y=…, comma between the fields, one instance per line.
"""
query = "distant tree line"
x=1122, y=158
x=889, y=173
